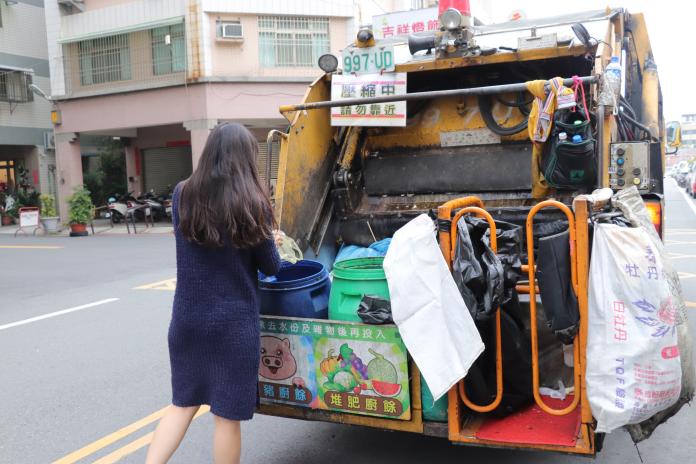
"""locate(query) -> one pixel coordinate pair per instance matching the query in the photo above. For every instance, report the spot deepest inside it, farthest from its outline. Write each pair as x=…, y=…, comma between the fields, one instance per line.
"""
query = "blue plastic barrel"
x=298, y=290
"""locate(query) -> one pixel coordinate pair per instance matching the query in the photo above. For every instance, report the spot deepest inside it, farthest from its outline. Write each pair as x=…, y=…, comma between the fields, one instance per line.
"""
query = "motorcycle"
x=155, y=205
x=118, y=209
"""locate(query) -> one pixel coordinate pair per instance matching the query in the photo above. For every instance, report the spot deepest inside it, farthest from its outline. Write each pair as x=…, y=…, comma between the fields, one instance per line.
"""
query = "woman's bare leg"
x=169, y=433
x=227, y=442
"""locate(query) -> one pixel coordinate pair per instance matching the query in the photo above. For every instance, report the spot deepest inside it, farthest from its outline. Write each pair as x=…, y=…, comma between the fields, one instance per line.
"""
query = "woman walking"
x=224, y=231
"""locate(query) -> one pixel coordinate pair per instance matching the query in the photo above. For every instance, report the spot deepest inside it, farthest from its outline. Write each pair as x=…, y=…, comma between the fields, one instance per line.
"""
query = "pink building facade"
x=158, y=75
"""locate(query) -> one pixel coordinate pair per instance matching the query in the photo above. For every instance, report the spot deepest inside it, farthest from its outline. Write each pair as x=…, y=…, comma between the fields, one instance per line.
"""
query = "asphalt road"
x=75, y=379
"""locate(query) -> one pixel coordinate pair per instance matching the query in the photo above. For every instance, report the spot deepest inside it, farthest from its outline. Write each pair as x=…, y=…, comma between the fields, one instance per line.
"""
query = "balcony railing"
x=15, y=86
x=122, y=63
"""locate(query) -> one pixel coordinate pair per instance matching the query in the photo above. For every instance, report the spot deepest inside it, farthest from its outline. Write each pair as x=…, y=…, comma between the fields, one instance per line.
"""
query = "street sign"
x=28, y=217
x=403, y=23
x=368, y=60
x=368, y=86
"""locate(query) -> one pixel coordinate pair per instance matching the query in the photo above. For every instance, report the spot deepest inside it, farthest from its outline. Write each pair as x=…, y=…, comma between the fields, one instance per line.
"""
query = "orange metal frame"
x=498, y=343
x=531, y=270
x=464, y=431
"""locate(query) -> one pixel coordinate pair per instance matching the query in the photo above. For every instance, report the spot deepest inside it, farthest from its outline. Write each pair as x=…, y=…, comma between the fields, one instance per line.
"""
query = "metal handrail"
x=485, y=90
x=531, y=267
x=498, y=342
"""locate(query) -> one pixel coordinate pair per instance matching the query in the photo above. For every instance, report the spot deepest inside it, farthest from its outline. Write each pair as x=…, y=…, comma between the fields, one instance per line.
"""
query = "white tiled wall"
x=55, y=50
x=23, y=30
x=23, y=33
x=119, y=16
x=32, y=114
x=281, y=7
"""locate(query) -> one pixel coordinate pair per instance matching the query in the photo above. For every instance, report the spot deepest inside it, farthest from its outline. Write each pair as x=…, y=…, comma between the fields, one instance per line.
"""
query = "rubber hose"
x=640, y=126
x=627, y=106
x=517, y=104
x=524, y=108
x=492, y=124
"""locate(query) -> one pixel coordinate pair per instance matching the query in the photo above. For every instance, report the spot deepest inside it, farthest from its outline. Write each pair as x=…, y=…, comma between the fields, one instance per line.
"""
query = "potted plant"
x=7, y=209
x=80, y=211
x=49, y=216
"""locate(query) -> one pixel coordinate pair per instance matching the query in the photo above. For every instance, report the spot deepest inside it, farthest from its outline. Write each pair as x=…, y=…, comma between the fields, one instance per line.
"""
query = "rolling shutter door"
x=261, y=161
x=163, y=168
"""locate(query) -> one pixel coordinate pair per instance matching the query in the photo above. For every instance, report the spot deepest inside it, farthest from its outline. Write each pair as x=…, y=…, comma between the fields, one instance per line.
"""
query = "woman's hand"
x=278, y=237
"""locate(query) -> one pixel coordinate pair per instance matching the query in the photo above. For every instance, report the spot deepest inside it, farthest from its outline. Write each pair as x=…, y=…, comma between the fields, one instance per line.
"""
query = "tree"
x=110, y=178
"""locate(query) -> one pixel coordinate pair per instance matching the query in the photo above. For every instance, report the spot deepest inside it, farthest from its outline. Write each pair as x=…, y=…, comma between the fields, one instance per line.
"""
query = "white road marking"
x=57, y=313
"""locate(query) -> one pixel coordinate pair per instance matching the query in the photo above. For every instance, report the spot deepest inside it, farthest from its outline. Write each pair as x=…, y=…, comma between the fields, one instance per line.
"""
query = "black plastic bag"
x=487, y=281
x=480, y=382
x=509, y=240
x=375, y=310
x=477, y=271
x=509, y=254
x=556, y=288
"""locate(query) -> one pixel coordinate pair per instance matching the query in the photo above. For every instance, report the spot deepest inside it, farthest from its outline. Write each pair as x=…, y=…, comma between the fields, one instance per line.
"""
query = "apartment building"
x=688, y=130
x=25, y=126
x=158, y=75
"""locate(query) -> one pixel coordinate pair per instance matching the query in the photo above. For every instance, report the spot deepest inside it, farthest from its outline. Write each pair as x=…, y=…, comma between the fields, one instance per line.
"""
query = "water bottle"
x=609, y=95
x=562, y=137
x=577, y=138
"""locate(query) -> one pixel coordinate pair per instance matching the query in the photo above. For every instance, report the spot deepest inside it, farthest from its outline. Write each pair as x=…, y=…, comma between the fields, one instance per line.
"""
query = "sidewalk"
x=101, y=227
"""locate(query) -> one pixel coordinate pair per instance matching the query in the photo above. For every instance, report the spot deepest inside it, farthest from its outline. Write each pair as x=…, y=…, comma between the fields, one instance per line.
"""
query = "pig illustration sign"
x=334, y=365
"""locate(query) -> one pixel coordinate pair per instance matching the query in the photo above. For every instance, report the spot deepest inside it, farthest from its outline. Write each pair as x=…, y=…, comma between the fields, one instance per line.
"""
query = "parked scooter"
x=140, y=210
x=118, y=209
x=166, y=200
x=155, y=204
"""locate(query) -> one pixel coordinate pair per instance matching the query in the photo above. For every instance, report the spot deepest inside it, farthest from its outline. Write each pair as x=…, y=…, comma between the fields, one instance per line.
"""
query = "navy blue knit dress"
x=214, y=344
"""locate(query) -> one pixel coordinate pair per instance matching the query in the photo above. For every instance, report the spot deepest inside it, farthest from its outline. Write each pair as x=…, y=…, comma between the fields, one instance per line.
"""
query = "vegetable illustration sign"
x=334, y=365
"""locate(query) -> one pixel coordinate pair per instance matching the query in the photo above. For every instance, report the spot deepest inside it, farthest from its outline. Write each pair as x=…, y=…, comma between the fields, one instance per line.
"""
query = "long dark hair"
x=223, y=199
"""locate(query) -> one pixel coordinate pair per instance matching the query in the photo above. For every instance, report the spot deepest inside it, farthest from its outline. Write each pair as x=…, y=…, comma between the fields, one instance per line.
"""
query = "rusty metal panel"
x=443, y=170
x=307, y=161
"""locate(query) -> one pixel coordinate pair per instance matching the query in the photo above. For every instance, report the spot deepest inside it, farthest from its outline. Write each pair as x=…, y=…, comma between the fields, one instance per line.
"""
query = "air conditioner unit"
x=49, y=140
x=232, y=30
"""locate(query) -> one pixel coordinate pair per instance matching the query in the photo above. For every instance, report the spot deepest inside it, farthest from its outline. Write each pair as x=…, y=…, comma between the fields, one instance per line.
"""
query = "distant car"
x=691, y=181
x=682, y=174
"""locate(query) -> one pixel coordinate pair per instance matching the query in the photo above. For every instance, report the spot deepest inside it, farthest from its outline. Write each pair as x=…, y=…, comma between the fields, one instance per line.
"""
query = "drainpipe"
x=195, y=16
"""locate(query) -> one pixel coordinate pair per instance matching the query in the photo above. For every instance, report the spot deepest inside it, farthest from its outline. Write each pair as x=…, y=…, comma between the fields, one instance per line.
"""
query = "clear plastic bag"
x=288, y=249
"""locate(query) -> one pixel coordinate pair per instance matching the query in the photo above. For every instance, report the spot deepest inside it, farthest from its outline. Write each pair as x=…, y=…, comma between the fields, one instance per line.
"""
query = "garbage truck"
x=505, y=129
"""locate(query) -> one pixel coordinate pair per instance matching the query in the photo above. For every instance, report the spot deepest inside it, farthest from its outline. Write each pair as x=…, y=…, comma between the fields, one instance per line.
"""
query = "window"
x=106, y=59
x=7, y=176
x=168, y=54
x=286, y=41
x=14, y=86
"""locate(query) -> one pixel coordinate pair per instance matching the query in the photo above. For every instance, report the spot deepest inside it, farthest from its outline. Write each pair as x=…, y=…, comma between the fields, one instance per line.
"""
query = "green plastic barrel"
x=353, y=279
x=436, y=412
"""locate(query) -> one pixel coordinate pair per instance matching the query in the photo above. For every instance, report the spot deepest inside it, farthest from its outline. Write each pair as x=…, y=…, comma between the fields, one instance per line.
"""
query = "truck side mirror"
x=673, y=139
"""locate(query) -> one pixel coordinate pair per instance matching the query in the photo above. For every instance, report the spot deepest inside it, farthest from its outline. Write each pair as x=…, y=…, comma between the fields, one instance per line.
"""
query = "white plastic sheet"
x=433, y=320
x=633, y=361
